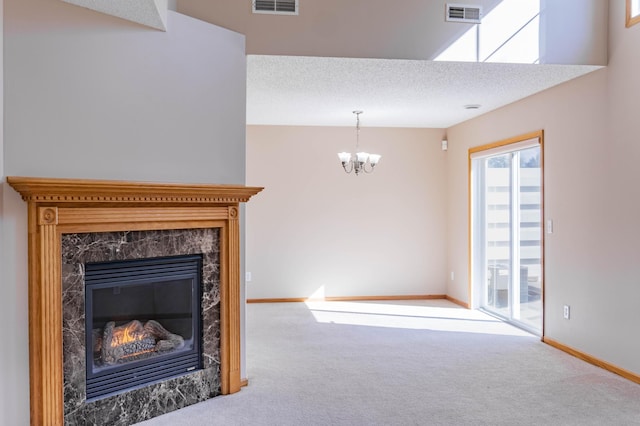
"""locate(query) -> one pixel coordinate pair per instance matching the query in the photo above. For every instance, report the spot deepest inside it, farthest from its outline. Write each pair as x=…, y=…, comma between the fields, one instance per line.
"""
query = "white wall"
x=92, y=96
x=615, y=296
x=7, y=291
x=97, y=97
x=571, y=31
x=406, y=29
x=591, y=194
x=315, y=230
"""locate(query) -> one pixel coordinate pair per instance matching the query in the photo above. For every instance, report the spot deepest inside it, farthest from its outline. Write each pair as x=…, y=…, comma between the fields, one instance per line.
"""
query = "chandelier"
x=361, y=161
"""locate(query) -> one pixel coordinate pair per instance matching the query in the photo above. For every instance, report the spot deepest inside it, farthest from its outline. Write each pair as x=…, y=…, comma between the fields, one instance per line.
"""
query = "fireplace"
x=73, y=223
x=142, y=322
x=103, y=260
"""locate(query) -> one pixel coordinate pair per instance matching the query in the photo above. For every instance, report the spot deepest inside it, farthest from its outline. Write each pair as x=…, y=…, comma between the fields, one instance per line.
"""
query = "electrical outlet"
x=247, y=276
x=566, y=312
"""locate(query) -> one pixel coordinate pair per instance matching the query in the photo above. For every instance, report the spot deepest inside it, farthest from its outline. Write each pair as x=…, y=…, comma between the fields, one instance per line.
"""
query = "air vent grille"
x=463, y=13
x=280, y=7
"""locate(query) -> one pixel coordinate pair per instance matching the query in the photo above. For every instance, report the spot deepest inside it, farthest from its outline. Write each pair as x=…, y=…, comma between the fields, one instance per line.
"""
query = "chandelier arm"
x=344, y=166
x=361, y=166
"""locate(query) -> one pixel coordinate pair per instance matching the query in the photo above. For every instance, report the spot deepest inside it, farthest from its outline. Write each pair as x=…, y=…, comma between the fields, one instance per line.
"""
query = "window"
x=633, y=12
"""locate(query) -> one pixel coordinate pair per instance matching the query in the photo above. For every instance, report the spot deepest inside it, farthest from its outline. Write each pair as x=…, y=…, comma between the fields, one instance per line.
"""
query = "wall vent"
x=463, y=13
x=278, y=7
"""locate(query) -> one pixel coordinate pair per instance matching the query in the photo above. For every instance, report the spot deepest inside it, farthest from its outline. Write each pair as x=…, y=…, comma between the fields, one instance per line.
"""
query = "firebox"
x=143, y=322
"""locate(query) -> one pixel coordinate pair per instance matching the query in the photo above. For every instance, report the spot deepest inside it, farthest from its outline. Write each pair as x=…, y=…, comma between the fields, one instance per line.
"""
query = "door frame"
x=539, y=134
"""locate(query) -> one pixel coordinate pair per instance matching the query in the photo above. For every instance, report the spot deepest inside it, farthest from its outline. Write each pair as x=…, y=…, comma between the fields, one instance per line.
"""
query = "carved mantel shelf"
x=93, y=192
x=60, y=206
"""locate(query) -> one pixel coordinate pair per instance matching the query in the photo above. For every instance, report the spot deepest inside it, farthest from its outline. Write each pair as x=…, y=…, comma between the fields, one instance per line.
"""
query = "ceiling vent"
x=278, y=7
x=463, y=13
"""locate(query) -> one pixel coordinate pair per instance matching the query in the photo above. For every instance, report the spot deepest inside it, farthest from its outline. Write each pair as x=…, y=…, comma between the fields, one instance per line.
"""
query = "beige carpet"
x=407, y=363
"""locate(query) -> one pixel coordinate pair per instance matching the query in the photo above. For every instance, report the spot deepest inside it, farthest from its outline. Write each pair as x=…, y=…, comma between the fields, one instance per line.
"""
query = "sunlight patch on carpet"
x=413, y=315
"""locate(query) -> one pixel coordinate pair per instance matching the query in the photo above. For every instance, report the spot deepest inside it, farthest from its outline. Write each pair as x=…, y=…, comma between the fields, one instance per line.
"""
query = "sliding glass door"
x=506, y=219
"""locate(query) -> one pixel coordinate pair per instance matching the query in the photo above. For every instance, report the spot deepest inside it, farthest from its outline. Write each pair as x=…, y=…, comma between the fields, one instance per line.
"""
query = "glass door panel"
x=529, y=305
x=507, y=235
x=498, y=232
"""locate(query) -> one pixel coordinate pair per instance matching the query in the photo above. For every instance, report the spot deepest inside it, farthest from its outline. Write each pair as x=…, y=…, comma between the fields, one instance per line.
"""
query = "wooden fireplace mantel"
x=60, y=206
x=100, y=192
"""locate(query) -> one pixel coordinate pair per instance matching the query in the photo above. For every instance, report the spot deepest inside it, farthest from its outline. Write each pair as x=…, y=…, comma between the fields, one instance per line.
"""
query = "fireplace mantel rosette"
x=62, y=206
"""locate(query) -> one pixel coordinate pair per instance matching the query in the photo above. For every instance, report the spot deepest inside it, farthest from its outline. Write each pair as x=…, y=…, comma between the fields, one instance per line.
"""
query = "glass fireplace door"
x=143, y=322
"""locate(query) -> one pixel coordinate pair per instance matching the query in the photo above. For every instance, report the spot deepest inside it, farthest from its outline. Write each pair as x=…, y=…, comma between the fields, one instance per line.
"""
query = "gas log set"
x=132, y=341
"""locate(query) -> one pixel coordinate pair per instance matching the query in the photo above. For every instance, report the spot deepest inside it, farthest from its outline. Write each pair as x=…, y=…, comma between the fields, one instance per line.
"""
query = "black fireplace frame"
x=136, y=374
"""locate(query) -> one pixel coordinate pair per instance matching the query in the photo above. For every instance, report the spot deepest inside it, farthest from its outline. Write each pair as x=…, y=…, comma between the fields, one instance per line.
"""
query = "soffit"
x=316, y=91
x=152, y=13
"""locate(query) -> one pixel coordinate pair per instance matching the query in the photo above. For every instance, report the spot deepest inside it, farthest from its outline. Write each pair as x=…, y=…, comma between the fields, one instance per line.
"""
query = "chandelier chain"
x=357, y=113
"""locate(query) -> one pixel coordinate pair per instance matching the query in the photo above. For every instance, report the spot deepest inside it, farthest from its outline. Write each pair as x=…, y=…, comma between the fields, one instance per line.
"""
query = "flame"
x=128, y=334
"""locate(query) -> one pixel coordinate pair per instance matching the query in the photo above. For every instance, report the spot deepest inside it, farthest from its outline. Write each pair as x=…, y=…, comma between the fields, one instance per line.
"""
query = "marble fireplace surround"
x=76, y=206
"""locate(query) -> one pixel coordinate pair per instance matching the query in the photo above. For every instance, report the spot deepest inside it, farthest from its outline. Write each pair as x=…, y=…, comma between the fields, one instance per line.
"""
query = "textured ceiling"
x=315, y=91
